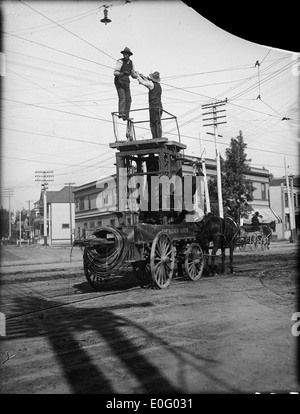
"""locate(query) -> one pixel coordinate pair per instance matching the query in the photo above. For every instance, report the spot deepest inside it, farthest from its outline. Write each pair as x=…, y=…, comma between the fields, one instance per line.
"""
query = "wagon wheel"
x=162, y=260
x=194, y=262
x=253, y=242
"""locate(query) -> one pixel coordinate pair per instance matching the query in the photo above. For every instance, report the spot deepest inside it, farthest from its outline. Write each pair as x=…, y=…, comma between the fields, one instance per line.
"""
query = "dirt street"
x=222, y=334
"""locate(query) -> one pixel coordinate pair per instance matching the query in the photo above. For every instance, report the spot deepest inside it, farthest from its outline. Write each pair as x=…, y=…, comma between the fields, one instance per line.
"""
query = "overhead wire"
x=166, y=84
x=55, y=136
x=47, y=26
x=58, y=50
x=51, y=91
x=67, y=30
x=57, y=110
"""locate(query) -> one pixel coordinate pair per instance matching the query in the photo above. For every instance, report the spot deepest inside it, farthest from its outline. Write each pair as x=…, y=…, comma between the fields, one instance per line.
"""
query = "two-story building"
x=280, y=205
x=260, y=178
x=95, y=207
x=60, y=216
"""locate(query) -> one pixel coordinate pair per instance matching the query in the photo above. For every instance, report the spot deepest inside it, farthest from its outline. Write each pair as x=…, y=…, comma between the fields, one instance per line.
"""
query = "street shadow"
x=126, y=282
x=71, y=333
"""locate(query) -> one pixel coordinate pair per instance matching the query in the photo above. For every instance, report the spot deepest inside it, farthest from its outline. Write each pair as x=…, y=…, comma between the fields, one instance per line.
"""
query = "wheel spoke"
x=162, y=260
x=194, y=262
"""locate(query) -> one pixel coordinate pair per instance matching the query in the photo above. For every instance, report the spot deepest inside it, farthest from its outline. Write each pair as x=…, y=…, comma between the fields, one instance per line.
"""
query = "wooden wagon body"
x=156, y=242
x=153, y=252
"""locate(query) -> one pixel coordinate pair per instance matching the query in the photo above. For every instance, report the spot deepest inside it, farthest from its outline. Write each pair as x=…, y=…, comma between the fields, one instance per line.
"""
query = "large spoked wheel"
x=162, y=260
x=194, y=262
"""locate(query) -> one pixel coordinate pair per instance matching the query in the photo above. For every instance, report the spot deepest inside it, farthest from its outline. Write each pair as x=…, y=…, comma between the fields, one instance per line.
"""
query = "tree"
x=4, y=222
x=236, y=189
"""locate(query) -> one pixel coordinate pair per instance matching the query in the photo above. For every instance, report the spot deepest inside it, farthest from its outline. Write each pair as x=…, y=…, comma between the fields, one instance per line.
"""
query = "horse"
x=267, y=229
x=222, y=233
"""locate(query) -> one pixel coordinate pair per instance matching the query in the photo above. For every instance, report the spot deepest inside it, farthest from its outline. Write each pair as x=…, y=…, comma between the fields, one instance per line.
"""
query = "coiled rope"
x=104, y=260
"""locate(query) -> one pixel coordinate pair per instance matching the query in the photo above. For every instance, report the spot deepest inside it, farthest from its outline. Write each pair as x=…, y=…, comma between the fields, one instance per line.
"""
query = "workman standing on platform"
x=123, y=70
x=155, y=106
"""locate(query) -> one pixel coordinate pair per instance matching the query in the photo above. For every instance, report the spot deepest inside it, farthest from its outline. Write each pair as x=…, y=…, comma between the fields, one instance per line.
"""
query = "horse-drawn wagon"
x=254, y=238
x=156, y=188
x=151, y=251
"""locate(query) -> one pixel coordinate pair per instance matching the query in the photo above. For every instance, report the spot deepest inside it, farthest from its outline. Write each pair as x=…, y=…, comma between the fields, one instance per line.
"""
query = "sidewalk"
x=13, y=256
x=24, y=255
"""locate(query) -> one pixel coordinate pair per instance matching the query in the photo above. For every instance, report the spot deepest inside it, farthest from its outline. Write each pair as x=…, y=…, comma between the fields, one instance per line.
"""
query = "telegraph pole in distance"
x=29, y=219
x=70, y=205
x=214, y=111
x=9, y=192
x=44, y=177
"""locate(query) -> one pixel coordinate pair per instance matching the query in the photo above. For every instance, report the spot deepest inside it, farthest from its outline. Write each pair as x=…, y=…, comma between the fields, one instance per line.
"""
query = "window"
x=92, y=224
x=287, y=222
x=113, y=222
x=100, y=223
x=286, y=201
x=257, y=191
x=81, y=203
x=65, y=226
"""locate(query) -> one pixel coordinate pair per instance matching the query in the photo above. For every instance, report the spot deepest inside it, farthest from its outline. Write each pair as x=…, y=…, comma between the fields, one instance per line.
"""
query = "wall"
x=60, y=222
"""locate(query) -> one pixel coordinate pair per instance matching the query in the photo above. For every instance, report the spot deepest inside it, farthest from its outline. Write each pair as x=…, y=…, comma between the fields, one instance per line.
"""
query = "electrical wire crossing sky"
x=58, y=88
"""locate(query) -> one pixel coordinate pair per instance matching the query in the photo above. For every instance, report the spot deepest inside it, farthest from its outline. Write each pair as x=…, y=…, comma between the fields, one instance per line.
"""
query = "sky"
x=58, y=92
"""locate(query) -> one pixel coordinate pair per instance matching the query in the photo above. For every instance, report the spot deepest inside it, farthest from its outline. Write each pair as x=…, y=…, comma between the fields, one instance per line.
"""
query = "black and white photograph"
x=150, y=201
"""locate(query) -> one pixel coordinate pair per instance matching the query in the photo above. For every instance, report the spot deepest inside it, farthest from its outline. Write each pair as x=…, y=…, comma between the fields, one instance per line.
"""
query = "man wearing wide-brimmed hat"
x=255, y=222
x=123, y=70
x=155, y=106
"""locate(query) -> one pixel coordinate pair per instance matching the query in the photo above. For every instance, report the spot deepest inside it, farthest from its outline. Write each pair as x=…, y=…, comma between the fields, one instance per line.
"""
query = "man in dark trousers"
x=255, y=222
x=155, y=105
x=123, y=70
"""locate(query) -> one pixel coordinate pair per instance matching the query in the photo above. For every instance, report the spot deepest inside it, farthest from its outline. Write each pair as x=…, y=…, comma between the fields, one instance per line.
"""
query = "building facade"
x=260, y=178
x=95, y=206
x=96, y=202
x=280, y=203
x=60, y=217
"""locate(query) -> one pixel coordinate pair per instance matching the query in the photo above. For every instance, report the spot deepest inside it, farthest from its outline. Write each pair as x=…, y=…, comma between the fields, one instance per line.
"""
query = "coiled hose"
x=104, y=260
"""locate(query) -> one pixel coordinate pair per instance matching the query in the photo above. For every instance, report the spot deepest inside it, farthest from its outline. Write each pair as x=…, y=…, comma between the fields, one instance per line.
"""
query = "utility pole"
x=45, y=177
x=29, y=219
x=206, y=192
x=9, y=192
x=70, y=206
x=214, y=111
x=292, y=216
x=291, y=176
x=20, y=226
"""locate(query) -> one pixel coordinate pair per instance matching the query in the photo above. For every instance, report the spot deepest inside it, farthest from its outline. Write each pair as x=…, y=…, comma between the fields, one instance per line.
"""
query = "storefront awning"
x=267, y=214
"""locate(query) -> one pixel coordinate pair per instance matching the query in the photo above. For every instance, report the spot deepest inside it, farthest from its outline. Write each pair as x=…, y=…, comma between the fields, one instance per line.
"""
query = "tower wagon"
x=157, y=188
